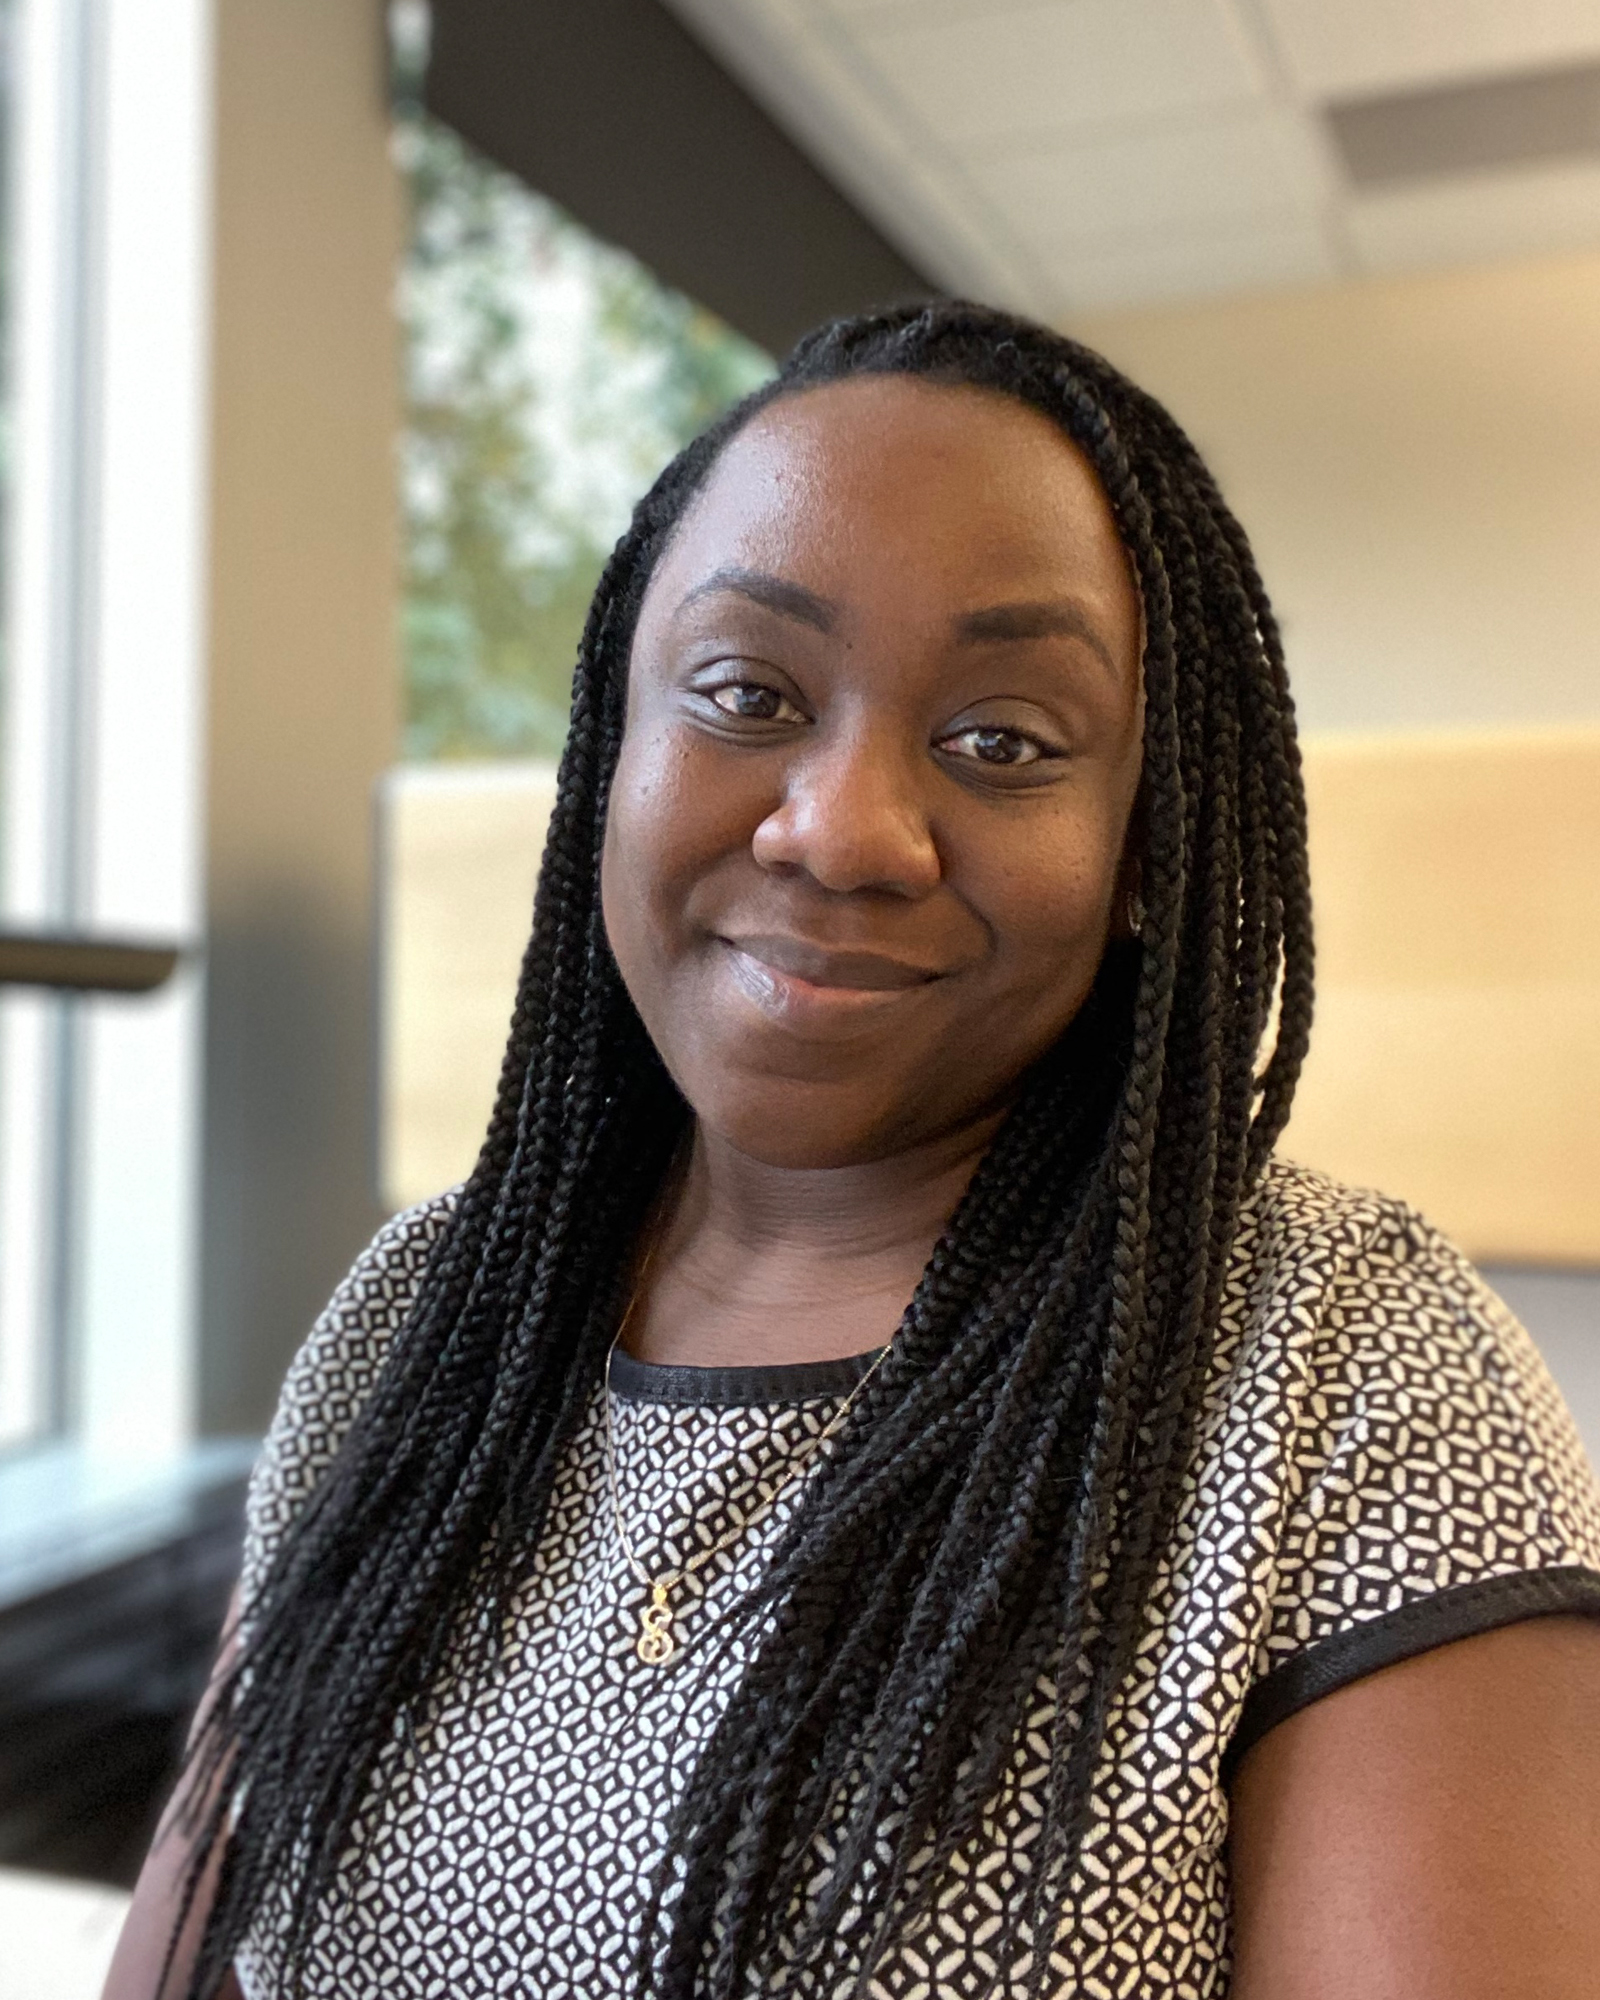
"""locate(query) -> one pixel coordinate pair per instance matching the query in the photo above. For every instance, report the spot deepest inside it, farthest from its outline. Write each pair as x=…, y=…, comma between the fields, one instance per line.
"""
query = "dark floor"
x=98, y=1679
x=81, y=1789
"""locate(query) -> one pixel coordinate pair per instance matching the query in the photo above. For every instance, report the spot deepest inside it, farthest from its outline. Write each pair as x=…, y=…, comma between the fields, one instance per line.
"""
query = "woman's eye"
x=751, y=702
x=993, y=746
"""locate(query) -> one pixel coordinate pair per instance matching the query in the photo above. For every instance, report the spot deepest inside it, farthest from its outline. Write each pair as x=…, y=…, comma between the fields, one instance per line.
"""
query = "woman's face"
x=883, y=739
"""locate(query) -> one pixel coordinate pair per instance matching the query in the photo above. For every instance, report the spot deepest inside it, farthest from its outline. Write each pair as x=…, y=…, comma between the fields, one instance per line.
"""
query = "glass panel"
x=549, y=377
x=105, y=247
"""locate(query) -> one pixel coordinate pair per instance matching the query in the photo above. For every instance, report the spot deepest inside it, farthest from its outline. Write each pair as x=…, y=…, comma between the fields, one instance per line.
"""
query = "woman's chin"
x=798, y=1130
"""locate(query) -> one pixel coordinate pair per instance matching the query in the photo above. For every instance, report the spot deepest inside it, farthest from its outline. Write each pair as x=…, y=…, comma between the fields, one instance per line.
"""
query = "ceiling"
x=1069, y=155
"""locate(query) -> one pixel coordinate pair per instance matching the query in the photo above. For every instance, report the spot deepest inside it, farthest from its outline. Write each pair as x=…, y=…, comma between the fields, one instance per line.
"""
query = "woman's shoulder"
x=336, y=1368
x=346, y=1348
x=1299, y=1221
x=1312, y=1252
x=1348, y=1297
x=1382, y=1424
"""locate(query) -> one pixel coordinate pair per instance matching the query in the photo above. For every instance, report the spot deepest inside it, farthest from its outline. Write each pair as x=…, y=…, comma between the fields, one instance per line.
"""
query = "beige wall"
x=1418, y=463
x=461, y=847
x=1456, y=1055
x=303, y=686
x=1456, y=1059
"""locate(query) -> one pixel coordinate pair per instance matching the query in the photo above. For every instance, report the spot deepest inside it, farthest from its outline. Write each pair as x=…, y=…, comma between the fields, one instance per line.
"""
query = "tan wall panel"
x=461, y=847
x=1456, y=1055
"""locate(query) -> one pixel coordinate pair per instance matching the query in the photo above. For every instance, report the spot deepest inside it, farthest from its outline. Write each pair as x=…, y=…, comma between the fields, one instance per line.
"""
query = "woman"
x=1185, y=1592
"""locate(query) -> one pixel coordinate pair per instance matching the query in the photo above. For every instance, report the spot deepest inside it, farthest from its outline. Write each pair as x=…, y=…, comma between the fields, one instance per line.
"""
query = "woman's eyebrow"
x=774, y=593
x=1042, y=620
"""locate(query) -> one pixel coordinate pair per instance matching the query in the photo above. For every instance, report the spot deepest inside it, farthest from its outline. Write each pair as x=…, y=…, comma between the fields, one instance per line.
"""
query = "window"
x=106, y=164
x=549, y=378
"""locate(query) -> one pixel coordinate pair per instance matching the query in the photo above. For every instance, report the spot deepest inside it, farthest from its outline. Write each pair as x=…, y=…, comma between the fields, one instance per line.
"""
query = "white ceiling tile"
x=1023, y=70
x=1224, y=168
x=1195, y=264
x=1347, y=48
x=816, y=92
x=1073, y=154
x=1477, y=218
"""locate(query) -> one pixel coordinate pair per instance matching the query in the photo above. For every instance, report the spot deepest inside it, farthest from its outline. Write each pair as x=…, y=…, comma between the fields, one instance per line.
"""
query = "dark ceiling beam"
x=615, y=111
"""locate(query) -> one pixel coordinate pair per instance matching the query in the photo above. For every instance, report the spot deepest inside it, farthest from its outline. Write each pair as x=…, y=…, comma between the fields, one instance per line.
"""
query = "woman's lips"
x=823, y=965
x=805, y=984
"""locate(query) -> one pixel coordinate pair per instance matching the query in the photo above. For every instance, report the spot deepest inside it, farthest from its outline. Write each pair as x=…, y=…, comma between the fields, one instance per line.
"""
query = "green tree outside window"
x=549, y=377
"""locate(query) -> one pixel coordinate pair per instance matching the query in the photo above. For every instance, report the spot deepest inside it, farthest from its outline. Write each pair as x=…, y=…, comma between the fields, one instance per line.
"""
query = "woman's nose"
x=853, y=816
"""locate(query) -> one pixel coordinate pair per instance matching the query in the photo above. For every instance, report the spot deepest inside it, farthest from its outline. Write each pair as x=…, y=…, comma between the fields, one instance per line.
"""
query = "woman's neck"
x=759, y=1265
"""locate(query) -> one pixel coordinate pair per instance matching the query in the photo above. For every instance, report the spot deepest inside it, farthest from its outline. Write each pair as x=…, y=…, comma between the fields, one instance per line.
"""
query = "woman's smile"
x=805, y=987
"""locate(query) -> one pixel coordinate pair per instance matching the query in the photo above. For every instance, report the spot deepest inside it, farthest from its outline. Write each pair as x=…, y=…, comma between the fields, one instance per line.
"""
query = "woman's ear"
x=1127, y=908
x=1127, y=901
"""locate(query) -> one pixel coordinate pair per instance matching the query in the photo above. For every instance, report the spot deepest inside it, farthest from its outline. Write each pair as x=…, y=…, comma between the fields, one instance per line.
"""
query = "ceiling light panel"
x=1461, y=127
x=1008, y=73
x=1343, y=48
x=1223, y=169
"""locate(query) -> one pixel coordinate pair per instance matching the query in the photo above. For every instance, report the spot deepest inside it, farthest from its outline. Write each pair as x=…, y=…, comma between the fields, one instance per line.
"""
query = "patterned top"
x=1383, y=1465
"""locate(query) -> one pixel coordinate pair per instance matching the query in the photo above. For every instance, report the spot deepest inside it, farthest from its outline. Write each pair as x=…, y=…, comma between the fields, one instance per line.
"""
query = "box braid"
x=995, y=1507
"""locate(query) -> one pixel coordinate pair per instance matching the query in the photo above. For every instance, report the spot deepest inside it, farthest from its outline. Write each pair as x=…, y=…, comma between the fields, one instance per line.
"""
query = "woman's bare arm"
x=141, y=1949
x=1431, y=1832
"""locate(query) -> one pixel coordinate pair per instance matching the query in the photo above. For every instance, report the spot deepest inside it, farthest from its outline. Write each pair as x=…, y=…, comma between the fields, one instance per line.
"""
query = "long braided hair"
x=995, y=1507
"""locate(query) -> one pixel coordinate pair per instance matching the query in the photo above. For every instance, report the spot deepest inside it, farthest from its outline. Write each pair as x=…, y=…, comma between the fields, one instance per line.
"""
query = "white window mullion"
x=139, y=1190
x=48, y=686
x=103, y=785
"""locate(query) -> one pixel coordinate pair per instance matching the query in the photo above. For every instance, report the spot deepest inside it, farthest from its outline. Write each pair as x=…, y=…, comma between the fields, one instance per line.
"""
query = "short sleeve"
x=1440, y=1488
x=332, y=1376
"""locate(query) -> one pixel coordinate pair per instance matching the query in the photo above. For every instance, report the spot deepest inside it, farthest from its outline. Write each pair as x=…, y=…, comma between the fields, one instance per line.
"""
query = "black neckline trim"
x=1457, y=1613
x=735, y=1388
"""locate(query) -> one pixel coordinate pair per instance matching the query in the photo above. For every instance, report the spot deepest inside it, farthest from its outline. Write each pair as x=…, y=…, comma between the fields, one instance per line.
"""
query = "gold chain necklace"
x=656, y=1643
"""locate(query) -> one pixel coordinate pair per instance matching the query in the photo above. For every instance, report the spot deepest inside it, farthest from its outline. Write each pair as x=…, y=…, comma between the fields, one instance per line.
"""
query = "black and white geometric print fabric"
x=1383, y=1464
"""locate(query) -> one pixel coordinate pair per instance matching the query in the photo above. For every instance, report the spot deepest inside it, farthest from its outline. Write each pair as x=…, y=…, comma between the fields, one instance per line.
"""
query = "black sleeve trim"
x=1415, y=1628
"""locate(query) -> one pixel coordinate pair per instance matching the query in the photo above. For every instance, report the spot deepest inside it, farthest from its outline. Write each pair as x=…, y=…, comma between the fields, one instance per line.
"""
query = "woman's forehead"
x=887, y=476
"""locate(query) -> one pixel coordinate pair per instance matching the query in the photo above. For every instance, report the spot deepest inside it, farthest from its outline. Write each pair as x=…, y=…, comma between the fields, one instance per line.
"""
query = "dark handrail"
x=70, y=962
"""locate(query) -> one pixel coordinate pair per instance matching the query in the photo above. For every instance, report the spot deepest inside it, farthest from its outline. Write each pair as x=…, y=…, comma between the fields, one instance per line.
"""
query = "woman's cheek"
x=681, y=816
x=1051, y=901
